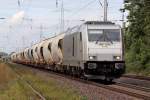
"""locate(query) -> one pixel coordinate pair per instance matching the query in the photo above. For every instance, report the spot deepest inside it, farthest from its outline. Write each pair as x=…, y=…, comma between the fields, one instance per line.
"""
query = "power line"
x=100, y=3
x=85, y=6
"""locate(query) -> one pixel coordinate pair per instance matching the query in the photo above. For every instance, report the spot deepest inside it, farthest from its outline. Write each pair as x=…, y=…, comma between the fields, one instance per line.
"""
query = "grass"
x=17, y=91
x=51, y=90
x=6, y=74
x=48, y=87
x=12, y=88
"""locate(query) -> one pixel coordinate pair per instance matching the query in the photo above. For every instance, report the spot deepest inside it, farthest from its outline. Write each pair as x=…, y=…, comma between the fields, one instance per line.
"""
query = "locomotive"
x=93, y=50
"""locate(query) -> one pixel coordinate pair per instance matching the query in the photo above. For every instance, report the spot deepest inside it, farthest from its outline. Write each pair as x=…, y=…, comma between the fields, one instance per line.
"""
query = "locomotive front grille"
x=99, y=68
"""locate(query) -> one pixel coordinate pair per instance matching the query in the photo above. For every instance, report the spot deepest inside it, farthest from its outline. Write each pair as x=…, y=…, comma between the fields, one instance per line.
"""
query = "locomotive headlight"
x=92, y=57
x=92, y=65
x=117, y=57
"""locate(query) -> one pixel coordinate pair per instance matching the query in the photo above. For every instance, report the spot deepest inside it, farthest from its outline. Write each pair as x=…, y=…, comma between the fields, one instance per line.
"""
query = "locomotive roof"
x=100, y=22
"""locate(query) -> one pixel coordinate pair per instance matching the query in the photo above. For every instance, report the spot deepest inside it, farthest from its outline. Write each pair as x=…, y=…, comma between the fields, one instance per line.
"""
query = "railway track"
x=133, y=86
x=130, y=90
x=136, y=92
x=41, y=97
x=137, y=77
x=125, y=90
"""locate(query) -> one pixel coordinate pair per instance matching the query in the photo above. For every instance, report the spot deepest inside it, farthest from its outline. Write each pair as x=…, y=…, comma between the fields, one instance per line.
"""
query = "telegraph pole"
x=123, y=27
x=62, y=21
x=29, y=20
x=41, y=32
x=62, y=17
x=23, y=42
x=10, y=28
x=105, y=10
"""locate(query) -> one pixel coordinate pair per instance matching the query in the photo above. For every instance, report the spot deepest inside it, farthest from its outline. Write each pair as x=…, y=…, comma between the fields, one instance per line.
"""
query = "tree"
x=138, y=34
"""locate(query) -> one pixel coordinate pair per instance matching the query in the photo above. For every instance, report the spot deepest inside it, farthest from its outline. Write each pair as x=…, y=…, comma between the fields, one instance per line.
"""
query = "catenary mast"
x=105, y=10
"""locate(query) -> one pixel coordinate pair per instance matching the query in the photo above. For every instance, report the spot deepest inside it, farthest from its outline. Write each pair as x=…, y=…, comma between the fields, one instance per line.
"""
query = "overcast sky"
x=28, y=19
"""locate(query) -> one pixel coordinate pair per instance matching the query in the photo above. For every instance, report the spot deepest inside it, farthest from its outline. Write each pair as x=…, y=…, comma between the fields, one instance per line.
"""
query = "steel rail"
x=137, y=77
x=133, y=86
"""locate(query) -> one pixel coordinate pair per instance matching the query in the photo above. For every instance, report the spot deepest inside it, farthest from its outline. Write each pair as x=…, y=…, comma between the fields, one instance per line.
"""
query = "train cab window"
x=106, y=35
x=49, y=47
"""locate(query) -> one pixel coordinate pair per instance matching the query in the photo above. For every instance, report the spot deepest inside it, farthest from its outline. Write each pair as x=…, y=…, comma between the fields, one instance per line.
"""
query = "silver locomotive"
x=95, y=48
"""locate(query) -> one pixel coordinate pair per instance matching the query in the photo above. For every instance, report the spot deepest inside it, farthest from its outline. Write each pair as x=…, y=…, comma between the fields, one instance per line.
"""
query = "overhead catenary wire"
x=82, y=8
x=85, y=6
x=100, y=3
x=62, y=11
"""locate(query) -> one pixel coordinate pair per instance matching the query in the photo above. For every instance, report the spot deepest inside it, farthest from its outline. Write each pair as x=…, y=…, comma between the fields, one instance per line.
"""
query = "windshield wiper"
x=108, y=38
x=105, y=38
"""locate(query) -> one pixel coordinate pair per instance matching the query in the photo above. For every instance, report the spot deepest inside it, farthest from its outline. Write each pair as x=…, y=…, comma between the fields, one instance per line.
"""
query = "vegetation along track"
x=119, y=88
x=41, y=97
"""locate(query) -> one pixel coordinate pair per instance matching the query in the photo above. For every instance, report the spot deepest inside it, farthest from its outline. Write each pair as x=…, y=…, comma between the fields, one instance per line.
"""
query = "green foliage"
x=137, y=35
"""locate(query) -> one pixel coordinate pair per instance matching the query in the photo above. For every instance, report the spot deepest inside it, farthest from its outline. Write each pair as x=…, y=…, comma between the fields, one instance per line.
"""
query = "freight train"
x=93, y=50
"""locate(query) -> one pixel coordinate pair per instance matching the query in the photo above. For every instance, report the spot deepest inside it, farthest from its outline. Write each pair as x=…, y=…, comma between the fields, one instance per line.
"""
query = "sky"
x=29, y=21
